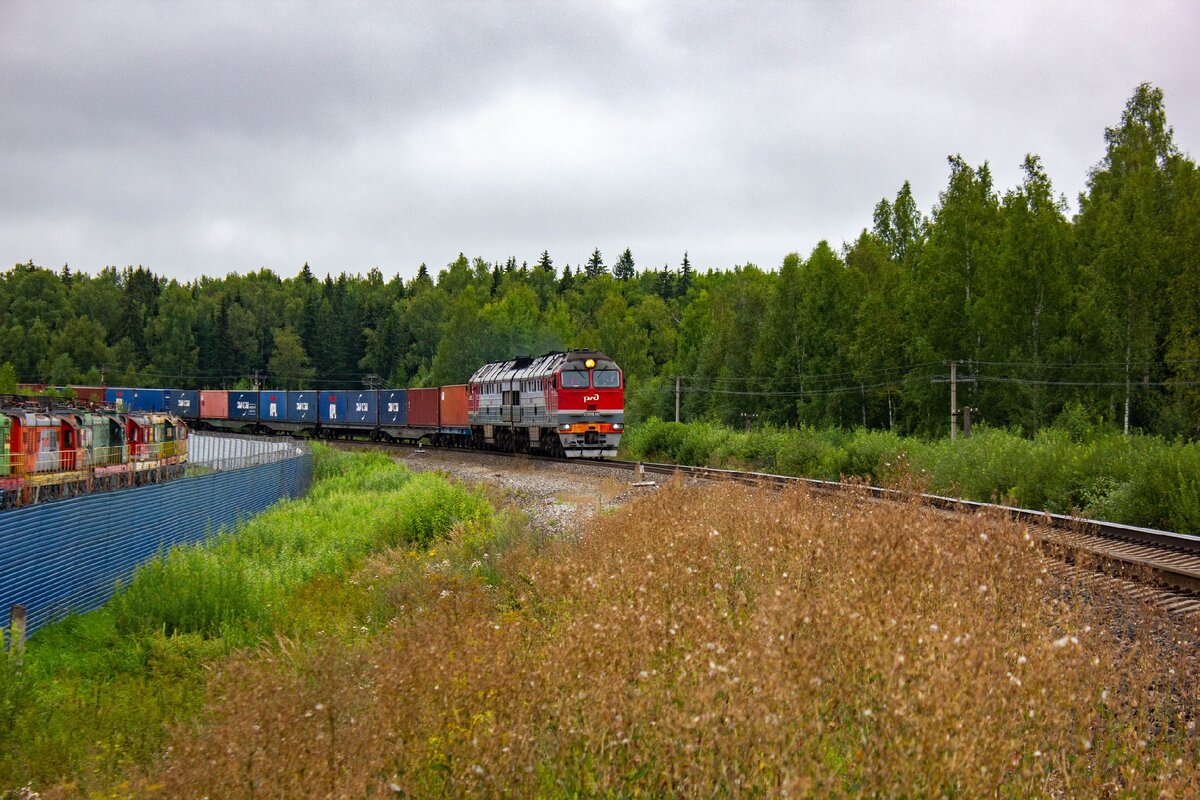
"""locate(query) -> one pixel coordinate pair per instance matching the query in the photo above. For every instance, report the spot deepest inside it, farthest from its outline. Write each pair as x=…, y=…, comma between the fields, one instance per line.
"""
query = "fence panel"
x=67, y=556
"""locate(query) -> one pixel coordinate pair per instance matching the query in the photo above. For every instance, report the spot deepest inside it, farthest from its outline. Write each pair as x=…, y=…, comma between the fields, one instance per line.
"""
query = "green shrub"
x=872, y=454
x=655, y=440
x=430, y=506
x=189, y=590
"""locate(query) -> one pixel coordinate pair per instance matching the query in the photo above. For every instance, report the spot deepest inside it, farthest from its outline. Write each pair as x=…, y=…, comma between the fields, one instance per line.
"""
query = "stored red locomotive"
x=564, y=404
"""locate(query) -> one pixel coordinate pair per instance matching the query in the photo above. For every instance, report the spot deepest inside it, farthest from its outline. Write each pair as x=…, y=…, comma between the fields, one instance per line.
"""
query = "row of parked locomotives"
x=566, y=404
x=53, y=452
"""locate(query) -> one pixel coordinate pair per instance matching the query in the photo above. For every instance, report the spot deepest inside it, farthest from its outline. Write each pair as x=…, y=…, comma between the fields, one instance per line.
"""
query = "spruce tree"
x=685, y=274
x=545, y=262
x=595, y=265
x=624, y=268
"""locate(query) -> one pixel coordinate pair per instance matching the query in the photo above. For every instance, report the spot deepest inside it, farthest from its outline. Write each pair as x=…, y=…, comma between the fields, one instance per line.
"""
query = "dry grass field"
x=716, y=642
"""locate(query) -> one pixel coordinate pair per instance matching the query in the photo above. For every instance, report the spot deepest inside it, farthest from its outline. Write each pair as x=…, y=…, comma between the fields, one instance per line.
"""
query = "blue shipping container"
x=393, y=407
x=118, y=397
x=332, y=407
x=148, y=399
x=185, y=403
x=362, y=408
x=243, y=405
x=272, y=405
x=302, y=406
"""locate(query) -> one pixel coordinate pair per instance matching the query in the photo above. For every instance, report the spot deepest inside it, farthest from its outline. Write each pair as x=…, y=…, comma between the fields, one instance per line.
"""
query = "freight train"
x=568, y=404
x=51, y=453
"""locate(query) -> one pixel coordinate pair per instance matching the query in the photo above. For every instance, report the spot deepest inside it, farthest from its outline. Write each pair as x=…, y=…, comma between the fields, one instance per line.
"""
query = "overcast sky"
x=213, y=137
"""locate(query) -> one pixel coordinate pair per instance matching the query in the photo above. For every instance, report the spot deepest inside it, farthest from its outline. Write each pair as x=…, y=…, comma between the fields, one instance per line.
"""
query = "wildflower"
x=1020, y=659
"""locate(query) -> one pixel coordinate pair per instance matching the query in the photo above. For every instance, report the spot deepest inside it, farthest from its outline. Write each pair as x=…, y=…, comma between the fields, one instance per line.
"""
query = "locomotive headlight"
x=591, y=362
x=566, y=426
x=618, y=426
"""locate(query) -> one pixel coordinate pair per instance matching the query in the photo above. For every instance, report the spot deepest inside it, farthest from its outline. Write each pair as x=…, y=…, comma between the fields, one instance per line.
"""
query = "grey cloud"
x=227, y=136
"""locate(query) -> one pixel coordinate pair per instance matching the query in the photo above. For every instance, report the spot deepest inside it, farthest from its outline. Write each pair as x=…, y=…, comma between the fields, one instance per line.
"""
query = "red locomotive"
x=564, y=404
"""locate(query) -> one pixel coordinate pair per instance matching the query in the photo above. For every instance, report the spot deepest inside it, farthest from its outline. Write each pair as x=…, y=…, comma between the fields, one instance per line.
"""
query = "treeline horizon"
x=1096, y=316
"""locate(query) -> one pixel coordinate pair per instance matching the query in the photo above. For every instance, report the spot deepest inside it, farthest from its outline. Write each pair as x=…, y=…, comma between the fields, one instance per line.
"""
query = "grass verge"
x=96, y=692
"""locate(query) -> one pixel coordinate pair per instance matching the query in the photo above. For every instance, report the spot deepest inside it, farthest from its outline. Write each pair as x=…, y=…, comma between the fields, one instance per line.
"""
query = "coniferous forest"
x=1095, y=313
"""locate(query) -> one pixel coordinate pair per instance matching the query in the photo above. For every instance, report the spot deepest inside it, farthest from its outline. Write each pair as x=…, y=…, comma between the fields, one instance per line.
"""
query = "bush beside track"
x=1136, y=480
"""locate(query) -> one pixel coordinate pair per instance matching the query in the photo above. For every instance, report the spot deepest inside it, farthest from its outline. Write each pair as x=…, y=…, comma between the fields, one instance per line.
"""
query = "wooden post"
x=677, y=398
x=953, y=400
x=17, y=623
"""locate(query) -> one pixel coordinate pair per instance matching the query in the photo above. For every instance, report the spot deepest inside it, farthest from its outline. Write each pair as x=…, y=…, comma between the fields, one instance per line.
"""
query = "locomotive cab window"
x=606, y=379
x=574, y=379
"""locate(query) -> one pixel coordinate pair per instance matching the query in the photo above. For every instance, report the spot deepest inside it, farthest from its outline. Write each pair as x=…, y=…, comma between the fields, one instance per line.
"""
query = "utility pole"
x=677, y=398
x=749, y=418
x=953, y=380
x=953, y=400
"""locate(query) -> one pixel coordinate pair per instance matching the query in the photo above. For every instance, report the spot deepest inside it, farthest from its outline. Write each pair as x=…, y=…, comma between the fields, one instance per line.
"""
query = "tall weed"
x=725, y=642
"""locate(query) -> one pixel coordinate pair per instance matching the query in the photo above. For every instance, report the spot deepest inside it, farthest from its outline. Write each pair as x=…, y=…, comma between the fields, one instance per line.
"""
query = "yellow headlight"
x=591, y=362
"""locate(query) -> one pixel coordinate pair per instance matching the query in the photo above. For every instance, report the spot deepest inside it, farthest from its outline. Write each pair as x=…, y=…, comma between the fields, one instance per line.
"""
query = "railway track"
x=1161, y=567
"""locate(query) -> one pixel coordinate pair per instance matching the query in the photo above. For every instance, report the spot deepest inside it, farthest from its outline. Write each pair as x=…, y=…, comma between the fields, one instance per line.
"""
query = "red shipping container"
x=89, y=394
x=214, y=405
x=422, y=408
x=454, y=406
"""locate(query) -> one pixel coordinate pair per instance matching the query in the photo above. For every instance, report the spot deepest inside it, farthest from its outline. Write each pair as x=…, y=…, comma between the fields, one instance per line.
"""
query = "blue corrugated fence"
x=68, y=555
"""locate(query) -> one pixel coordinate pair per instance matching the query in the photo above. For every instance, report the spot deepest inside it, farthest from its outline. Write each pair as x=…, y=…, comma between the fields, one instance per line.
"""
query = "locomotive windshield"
x=606, y=379
x=574, y=379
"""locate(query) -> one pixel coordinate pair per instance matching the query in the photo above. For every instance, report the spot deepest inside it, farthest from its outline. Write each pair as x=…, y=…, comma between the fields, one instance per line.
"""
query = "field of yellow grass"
x=724, y=641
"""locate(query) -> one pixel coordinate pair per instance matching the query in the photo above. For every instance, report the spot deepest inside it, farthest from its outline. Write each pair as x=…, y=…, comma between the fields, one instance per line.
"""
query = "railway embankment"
x=714, y=639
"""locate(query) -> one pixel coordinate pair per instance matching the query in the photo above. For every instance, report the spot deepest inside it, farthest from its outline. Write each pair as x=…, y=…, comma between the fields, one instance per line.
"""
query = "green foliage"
x=8, y=378
x=188, y=590
x=432, y=506
x=1078, y=469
